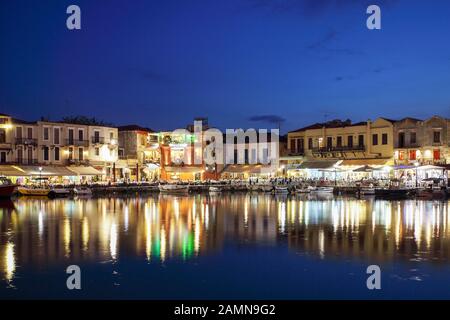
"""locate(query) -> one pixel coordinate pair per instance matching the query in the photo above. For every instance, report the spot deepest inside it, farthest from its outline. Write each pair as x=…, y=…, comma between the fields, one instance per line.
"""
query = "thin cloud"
x=269, y=118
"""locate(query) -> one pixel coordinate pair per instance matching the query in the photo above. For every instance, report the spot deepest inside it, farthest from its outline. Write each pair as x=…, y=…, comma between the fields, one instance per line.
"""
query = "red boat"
x=7, y=188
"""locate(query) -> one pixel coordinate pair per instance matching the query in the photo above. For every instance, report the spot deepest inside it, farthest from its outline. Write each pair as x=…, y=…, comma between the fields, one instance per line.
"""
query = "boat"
x=281, y=189
x=174, y=188
x=367, y=191
x=303, y=190
x=33, y=191
x=266, y=188
x=82, y=191
x=323, y=189
x=59, y=192
x=7, y=188
x=394, y=193
x=215, y=189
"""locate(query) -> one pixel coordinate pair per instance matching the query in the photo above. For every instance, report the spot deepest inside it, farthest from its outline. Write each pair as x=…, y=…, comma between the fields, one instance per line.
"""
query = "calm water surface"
x=225, y=246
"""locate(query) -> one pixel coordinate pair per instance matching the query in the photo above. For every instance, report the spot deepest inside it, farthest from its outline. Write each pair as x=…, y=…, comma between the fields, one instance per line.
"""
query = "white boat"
x=82, y=191
x=323, y=190
x=281, y=189
x=303, y=190
x=174, y=188
x=215, y=189
x=33, y=191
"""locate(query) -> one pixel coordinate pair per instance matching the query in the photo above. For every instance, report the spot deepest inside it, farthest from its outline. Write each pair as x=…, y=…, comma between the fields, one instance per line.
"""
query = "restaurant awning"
x=183, y=169
x=364, y=162
x=248, y=168
x=84, y=170
x=319, y=164
x=46, y=171
x=11, y=171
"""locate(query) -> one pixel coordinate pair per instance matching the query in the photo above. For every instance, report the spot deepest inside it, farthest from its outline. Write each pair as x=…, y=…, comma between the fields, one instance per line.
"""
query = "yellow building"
x=324, y=146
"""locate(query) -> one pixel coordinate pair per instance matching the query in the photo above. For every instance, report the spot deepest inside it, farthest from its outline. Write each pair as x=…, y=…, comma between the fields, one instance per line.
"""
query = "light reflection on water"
x=41, y=232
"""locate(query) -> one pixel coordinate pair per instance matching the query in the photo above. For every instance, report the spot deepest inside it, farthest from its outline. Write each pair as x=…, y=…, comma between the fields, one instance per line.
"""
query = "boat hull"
x=33, y=192
x=7, y=191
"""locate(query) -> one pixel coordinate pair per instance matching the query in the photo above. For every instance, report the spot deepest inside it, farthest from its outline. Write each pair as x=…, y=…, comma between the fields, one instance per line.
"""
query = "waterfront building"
x=67, y=152
x=423, y=142
x=325, y=146
x=139, y=153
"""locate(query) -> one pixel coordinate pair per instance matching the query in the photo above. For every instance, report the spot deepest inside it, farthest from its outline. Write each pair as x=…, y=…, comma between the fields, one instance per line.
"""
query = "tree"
x=83, y=120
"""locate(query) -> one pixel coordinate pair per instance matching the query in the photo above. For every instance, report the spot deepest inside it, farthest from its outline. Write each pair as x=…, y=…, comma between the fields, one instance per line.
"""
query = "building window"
x=375, y=139
x=361, y=140
x=2, y=157
x=300, y=145
x=436, y=137
x=339, y=142
x=80, y=135
x=412, y=138
x=70, y=153
x=80, y=154
x=45, y=134
x=329, y=142
x=56, y=153
x=30, y=133
x=350, y=141
x=97, y=151
x=384, y=138
x=401, y=139
x=121, y=153
x=45, y=153
x=96, y=136
x=19, y=132
x=310, y=143
x=111, y=136
x=2, y=136
x=292, y=144
x=56, y=135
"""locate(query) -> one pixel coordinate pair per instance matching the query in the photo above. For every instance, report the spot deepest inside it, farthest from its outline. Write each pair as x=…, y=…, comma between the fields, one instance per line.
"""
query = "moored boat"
x=215, y=189
x=367, y=191
x=59, y=192
x=323, y=190
x=82, y=191
x=174, y=188
x=394, y=193
x=281, y=189
x=33, y=191
x=7, y=188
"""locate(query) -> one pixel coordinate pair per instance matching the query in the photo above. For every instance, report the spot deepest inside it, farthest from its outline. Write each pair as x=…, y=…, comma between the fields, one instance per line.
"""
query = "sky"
x=241, y=63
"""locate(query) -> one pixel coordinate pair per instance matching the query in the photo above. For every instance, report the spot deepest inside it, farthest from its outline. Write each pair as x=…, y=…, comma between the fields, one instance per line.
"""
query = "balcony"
x=26, y=141
x=297, y=152
x=26, y=161
x=357, y=148
x=77, y=143
x=78, y=162
x=98, y=140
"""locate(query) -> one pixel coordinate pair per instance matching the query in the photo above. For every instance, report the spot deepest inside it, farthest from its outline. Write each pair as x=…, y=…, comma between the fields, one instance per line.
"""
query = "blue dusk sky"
x=241, y=63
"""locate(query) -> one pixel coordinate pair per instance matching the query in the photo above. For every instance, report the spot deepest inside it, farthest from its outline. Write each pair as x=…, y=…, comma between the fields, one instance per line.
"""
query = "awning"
x=11, y=171
x=430, y=167
x=248, y=168
x=46, y=171
x=319, y=164
x=364, y=162
x=84, y=170
x=183, y=169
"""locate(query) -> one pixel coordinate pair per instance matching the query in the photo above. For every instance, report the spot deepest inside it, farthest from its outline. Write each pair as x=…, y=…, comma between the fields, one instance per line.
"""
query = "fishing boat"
x=304, y=190
x=265, y=187
x=82, y=191
x=7, y=188
x=323, y=190
x=174, y=188
x=33, y=191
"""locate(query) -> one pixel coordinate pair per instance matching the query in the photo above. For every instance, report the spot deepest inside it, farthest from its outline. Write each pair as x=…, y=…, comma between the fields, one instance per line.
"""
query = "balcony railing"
x=297, y=153
x=339, y=149
x=98, y=140
x=78, y=143
x=78, y=162
x=26, y=141
x=26, y=161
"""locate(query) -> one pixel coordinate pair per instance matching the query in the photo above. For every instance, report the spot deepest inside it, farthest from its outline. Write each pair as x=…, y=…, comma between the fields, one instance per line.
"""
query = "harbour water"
x=224, y=246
